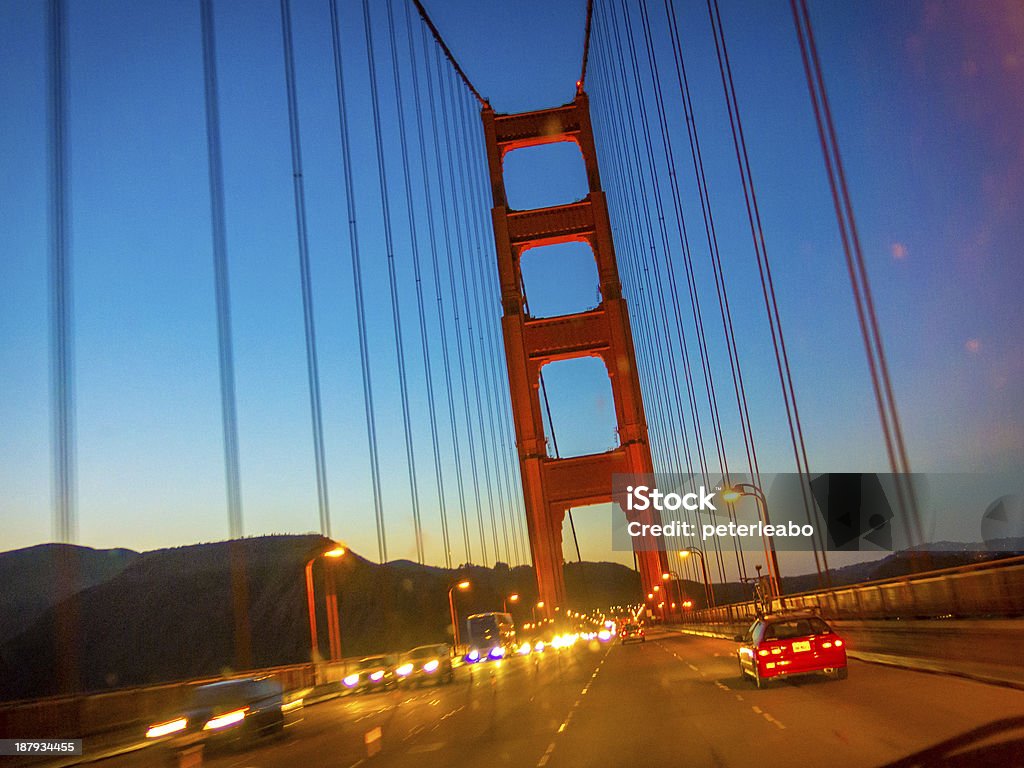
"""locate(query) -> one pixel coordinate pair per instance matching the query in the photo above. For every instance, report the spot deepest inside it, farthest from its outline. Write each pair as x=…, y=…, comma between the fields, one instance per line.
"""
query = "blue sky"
x=926, y=99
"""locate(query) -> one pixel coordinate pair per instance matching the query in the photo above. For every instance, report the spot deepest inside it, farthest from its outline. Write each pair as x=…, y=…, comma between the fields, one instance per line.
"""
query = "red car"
x=786, y=644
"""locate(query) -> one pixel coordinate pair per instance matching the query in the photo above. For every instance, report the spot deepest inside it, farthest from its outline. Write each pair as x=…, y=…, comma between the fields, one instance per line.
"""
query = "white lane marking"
x=773, y=721
x=738, y=697
x=757, y=709
x=561, y=727
x=695, y=669
x=721, y=686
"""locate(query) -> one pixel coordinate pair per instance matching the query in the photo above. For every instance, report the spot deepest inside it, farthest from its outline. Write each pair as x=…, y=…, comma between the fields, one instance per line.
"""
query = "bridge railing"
x=990, y=589
x=92, y=714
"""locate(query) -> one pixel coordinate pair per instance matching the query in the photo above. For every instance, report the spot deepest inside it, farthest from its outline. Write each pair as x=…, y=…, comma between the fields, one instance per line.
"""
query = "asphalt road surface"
x=672, y=701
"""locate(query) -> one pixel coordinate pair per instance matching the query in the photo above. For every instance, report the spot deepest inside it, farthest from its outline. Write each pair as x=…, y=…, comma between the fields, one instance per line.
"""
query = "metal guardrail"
x=91, y=714
x=990, y=589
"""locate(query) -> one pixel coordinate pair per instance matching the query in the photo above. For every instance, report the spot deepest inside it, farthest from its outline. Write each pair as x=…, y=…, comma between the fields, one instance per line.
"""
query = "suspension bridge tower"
x=553, y=485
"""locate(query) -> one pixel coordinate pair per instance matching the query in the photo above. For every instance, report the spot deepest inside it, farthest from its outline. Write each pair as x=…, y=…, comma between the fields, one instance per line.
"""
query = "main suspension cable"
x=447, y=52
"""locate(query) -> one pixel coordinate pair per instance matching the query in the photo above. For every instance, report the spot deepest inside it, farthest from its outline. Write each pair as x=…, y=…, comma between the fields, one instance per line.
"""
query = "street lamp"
x=731, y=495
x=708, y=591
x=333, y=629
x=513, y=598
x=463, y=585
x=667, y=577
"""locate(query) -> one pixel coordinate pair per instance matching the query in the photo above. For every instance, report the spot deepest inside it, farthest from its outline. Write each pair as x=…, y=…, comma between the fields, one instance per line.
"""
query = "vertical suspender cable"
x=857, y=270
x=509, y=464
x=312, y=365
x=487, y=353
x=229, y=415
x=767, y=284
x=440, y=126
x=415, y=249
x=357, y=280
x=62, y=383
x=62, y=392
x=396, y=315
x=436, y=271
x=462, y=227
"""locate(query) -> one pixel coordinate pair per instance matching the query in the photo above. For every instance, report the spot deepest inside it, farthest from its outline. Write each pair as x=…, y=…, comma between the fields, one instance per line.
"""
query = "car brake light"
x=839, y=643
x=826, y=644
x=762, y=652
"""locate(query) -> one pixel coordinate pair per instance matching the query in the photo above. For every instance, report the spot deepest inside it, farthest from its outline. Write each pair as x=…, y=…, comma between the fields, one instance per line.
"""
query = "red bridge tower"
x=551, y=486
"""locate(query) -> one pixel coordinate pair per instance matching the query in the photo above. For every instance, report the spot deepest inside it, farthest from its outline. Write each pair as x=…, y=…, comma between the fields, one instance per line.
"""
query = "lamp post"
x=667, y=578
x=333, y=627
x=513, y=598
x=747, y=489
x=463, y=585
x=708, y=591
x=539, y=604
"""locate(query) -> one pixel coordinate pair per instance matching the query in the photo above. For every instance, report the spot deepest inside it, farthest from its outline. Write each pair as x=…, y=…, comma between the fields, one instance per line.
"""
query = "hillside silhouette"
x=167, y=614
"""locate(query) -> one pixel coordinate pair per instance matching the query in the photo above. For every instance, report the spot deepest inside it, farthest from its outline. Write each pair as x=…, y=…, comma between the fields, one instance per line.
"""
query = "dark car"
x=372, y=673
x=426, y=663
x=782, y=645
x=231, y=711
x=632, y=633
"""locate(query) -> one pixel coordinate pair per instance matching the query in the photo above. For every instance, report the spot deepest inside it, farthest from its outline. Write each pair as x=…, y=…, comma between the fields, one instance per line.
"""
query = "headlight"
x=497, y=653
x=473, y=655
x=431, y=665
x=405, y=669
x=223, y=721
x=351, y=680
x=376, y=676
x=156, y=731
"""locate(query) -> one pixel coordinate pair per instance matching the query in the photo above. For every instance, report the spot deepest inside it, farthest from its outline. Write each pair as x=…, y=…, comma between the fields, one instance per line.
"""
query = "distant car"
x=372, y=673
x=782, y=645
x=632, y=632
x=426, y=663
x=231, y=711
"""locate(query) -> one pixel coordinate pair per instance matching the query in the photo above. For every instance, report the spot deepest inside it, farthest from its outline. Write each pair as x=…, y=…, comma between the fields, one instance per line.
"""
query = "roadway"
x=674, y=700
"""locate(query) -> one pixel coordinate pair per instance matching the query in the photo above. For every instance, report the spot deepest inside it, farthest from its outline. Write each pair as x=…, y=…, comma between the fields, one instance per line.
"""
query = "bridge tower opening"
x=553, y=485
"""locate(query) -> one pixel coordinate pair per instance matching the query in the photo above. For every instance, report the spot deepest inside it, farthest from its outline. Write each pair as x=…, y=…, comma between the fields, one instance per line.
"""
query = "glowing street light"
x=513, y=598
x=462, y=585
x=336, y=552
x=732, y=494
x=708, y=591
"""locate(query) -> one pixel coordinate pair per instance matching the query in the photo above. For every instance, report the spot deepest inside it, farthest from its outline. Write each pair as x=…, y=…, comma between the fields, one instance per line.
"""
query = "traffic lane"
x=492, y=711
x=336, y=727
x=504, y=719
x=879, y=714
x=687, y=705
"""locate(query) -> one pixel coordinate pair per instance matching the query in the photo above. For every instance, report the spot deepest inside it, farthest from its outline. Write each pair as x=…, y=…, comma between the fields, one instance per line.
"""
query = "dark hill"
x=29, y=581
x=168, y=614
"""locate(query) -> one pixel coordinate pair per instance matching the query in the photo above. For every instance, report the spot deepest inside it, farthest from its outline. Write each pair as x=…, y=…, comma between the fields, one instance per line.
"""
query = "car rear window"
x=785, y=630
